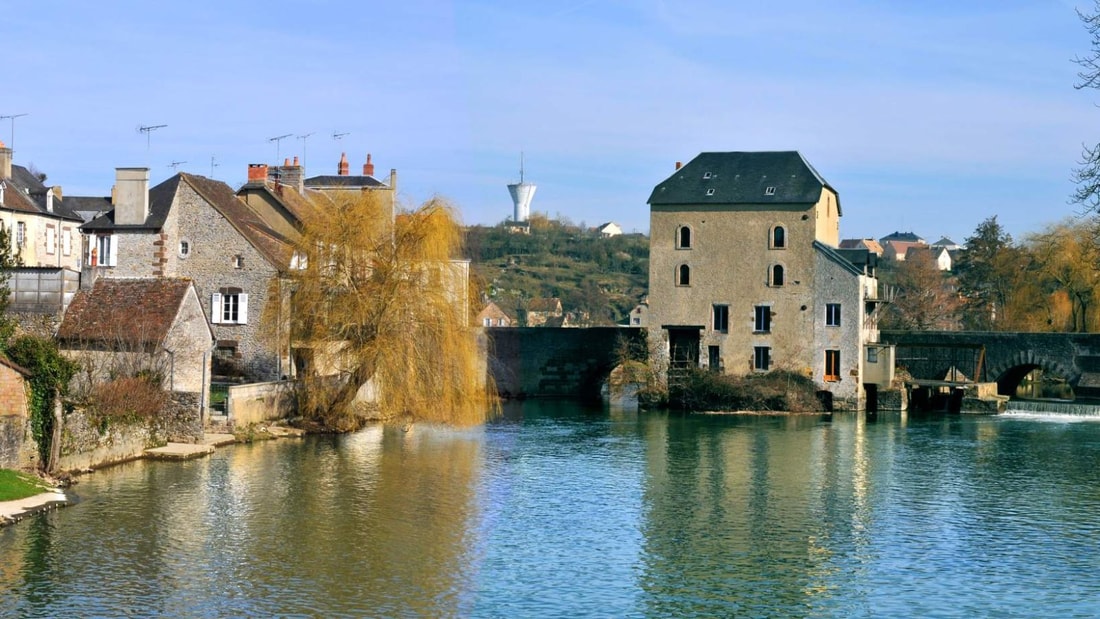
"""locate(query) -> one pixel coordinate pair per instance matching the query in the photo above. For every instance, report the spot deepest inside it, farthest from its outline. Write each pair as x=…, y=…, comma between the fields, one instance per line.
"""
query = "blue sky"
x=925, y=116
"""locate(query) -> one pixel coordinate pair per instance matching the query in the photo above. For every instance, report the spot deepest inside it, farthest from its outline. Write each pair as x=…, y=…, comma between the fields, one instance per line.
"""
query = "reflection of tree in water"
x=748, y=515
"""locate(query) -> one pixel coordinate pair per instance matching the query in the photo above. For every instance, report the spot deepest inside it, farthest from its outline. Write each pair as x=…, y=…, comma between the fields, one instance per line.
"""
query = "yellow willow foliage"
x=381, y=302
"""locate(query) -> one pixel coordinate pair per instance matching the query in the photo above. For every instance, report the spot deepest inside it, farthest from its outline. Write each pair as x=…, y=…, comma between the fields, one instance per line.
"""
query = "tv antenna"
x=278, y=139
x=303, y=138
x=339, y=136
x=148, y=131
x=12, y=118
x=176, y=164
x=213, y=165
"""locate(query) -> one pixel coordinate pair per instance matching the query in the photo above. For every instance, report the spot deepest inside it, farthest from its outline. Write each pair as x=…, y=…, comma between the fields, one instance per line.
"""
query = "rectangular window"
x=762, y=319
x=67, y=241
x=872, y=354
x=104, y=251
x=832, y=314
x=761, y=358
x=721, y=314
x=714, y=358
x=488, y=322
x=20, y=234
x=229, y=308
x=51, y=239
x=832, y=365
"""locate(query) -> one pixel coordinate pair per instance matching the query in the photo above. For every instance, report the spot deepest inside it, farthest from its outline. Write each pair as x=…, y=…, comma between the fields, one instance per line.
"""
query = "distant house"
x=947, y=244
x=126, y=326
x=609, y=229
x=904, y=237
x=897, y=250
x=639, y=314
x=541, y=311
x=870, y=245
x=939, y=256
x=493, y=316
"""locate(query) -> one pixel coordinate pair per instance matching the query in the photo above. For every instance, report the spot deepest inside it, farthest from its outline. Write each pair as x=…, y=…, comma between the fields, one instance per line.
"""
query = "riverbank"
x=14, y=511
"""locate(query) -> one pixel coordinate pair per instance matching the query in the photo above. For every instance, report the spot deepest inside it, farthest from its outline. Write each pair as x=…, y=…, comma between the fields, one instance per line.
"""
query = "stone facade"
x=16, y=445
x=743, y=267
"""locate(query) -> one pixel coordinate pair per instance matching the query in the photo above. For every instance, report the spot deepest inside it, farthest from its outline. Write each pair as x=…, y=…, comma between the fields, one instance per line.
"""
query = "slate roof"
x=907, y=237
x=839, y=257
x=88, y=207
x=272, y=246
x=300, y=207
x=333, y=180
x=124, y=312
x=24, y=193
x=160, y=202
x=735, y=178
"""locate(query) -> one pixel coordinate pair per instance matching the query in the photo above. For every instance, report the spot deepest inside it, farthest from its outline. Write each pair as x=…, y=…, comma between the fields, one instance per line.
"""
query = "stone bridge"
x=1008, y=357
x=546, y=362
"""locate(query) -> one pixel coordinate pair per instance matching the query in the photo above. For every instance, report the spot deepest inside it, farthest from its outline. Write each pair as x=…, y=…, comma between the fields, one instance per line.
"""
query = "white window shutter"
x=113, y=254
x=242, y=309
x=92, y=241
x=216, y=308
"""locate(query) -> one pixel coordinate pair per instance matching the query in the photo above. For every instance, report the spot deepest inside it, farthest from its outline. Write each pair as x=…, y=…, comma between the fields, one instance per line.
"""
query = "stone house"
x=492, y=315
x=44, y=231
x=870, y=245
x=134, y=325
x=17, y=449
x=745, y=275
x=898, y=250
x=939, y=256
x=545, y=312
x=193, y=227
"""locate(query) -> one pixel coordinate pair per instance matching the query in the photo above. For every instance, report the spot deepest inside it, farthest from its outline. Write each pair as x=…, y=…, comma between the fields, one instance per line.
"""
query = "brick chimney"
x=257, y=173
x=292, y=175
x=132, y=196
x=679, y=165
x=5, y=161
x=342, y=170
x=368, y=167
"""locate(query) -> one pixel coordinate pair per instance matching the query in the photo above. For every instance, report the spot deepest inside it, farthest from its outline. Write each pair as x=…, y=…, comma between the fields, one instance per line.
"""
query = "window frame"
x=832, y=362
x=51, y=239
x=777, y=276
x=761, y=358
x=778, y=237
x=832, y=314
x=685, y=232
x=762, y=319
x=683, y=275
x=229, y=306
x=720, y=317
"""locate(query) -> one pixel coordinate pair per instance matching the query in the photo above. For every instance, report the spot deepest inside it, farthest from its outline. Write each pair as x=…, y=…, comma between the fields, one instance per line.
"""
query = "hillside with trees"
x=599, y=280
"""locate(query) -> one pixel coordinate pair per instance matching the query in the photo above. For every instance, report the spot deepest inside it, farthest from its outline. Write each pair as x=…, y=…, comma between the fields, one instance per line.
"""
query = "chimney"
x=56, y=189
x=5, y=161
x=49, y=201
x=679, y=165
x=292, y=175
x=296, y=161
x=257, y=173
x=368, y=167
x=132, y=204
x=393, y=179
x=342, y=170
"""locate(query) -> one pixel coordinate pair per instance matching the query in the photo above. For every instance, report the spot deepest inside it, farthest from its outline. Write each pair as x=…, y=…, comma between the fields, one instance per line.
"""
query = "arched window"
x=777, y=275
x=683, y=238
x=683, y=275
x=779, y=237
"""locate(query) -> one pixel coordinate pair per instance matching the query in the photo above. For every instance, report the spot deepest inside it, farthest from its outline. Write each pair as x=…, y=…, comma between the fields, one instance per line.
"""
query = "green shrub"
x=127, y=399
x=50, y=376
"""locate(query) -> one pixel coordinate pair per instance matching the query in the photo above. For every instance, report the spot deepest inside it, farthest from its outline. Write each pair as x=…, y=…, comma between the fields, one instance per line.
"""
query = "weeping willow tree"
x=381, y=311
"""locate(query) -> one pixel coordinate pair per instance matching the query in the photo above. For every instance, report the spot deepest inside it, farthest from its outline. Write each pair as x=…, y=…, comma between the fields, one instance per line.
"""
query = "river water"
x=561, y=511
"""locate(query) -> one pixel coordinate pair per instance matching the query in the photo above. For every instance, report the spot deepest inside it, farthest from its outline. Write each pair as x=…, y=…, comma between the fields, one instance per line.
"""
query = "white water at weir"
x=1046, y=409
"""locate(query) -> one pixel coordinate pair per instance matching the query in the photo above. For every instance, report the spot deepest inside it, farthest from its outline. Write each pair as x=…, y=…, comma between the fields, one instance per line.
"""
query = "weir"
x=1076, y=409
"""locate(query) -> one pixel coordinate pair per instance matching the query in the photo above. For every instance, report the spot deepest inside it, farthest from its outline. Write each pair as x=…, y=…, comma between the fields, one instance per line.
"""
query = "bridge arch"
x=1009, y=372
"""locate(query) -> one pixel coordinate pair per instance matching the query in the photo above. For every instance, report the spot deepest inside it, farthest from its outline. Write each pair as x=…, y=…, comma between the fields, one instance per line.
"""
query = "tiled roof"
x=124, y=312
x=24, y=193
x=302, y=208
x=734, y=178
x=326, y=181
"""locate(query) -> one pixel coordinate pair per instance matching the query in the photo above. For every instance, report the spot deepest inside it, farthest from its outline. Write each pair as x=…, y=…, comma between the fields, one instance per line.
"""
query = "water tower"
x=522, y=193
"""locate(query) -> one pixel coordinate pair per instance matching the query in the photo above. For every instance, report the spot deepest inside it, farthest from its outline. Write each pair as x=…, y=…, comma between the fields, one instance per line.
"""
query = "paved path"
x=13, y=511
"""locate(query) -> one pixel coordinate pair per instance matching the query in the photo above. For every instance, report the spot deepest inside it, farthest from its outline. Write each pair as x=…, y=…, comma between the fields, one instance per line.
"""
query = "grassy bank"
x=15, y=485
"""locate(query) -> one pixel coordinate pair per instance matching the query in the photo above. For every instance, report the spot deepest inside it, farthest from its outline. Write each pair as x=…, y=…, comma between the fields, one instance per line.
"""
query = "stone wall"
x=17, y=448
x=258, y=402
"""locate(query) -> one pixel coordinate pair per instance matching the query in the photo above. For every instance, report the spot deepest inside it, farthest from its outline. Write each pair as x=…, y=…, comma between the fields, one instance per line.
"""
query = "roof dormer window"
x=706, y=175
x=710, y=192
x=769, y=191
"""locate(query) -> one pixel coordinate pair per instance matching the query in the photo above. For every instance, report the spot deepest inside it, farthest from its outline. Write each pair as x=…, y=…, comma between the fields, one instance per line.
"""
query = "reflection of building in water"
x=751, y=492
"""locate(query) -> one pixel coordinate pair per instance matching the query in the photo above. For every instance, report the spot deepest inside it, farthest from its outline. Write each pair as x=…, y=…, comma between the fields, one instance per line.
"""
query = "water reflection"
x=558, y=510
